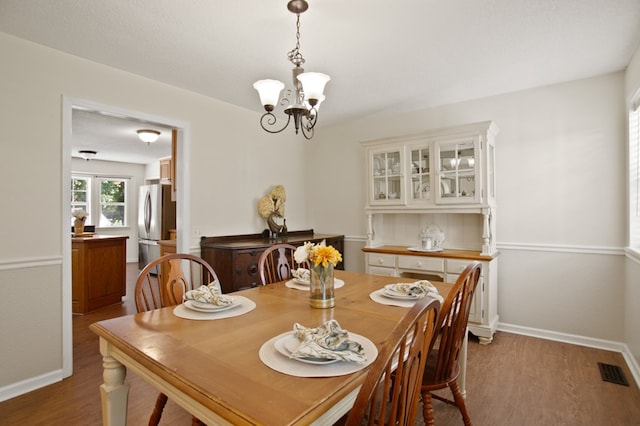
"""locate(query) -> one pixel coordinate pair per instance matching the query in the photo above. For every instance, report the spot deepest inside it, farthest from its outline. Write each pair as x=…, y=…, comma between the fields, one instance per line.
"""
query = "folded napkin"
x=211, y=293
x=301, y=274
x=419, y=289
x=327, y=341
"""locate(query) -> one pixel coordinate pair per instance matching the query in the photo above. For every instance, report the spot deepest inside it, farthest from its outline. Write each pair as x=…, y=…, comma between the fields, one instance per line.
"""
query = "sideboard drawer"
x=456, y=266
x=246, y=269
x=421, y=263
x=386, y=260
x=387, y=272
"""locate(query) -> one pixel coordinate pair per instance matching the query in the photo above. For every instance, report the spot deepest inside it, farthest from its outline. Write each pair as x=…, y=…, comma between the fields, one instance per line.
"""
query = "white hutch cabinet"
x=443, y=177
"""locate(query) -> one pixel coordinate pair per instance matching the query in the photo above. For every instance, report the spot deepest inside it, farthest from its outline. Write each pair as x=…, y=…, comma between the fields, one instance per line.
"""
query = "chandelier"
x=303, y=102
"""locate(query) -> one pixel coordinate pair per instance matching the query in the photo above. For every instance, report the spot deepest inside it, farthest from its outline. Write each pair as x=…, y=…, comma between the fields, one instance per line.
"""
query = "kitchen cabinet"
x=398, y=261
x=447, y=176
x=443, y=169
x=98, y=272
x=235, y=257
x=166, y=171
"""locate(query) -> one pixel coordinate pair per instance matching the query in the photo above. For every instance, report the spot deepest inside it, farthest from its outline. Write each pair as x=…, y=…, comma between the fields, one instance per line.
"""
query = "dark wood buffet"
x=235, y=257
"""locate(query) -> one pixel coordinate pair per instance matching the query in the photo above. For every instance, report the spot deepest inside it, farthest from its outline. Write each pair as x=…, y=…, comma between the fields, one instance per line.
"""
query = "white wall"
x=233, y=162
x=561, y=206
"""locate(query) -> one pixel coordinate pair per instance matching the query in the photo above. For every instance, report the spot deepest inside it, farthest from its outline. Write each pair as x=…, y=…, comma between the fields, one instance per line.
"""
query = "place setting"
x=405, y=294
x=208, y=303
x=324, y=351
x=302, y=280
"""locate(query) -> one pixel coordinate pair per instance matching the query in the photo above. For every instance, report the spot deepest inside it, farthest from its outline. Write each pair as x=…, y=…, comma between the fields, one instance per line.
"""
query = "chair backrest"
x=275, y=263
x=176, y=274
x=390, y=392
x=454, y=317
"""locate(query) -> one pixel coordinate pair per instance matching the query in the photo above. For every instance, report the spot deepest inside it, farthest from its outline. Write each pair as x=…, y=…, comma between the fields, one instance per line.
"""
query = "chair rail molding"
x=29, y=262
x=563, y=248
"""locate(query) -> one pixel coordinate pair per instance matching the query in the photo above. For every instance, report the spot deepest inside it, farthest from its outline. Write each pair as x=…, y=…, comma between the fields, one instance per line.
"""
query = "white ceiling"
x=115, y=138
x=382, y=56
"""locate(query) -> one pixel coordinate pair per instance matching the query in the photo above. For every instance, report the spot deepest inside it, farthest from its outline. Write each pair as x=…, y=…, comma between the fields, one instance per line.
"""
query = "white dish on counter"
x=424, y=250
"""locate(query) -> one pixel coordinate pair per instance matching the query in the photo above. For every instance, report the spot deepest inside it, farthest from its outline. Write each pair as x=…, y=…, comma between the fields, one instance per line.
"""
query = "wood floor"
x=516, y=380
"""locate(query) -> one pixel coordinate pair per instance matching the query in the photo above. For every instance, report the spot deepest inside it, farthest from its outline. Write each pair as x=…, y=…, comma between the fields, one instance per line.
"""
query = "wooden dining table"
x=213, y=370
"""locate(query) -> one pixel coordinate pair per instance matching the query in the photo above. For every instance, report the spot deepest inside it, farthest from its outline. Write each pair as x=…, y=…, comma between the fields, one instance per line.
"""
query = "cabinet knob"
x=380, y=261
x=419, y=264
x=253, y=269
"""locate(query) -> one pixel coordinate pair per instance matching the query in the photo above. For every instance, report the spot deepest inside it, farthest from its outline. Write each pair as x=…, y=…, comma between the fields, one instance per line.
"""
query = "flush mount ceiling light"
x=303, y=102
x=148, y=135
x=87, y=155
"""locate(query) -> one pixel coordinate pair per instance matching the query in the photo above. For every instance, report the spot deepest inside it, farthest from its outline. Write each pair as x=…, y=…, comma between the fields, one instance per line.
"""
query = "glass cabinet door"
x=457, y=171
x=420, y=167
x=386, y=168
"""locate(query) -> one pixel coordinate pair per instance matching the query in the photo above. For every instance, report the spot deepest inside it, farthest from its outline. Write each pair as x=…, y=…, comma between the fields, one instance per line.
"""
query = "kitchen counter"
x=98, y=271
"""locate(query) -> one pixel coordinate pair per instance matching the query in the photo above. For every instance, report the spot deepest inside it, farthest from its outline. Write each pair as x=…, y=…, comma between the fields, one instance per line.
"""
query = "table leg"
x=114, y=392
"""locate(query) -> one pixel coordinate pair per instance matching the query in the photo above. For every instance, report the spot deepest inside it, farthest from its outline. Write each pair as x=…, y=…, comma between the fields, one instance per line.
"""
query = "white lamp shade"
x=148, y=136
x=313, y=84
x=269, y=91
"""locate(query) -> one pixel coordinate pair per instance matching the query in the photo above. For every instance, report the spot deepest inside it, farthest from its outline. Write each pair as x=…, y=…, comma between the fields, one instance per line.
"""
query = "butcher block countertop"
x=448, y=253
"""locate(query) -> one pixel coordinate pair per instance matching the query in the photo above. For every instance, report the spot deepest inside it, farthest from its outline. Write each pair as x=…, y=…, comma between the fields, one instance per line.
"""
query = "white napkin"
x=302, y=274
x=419, y=289
x=211, y=293
x=327, y=341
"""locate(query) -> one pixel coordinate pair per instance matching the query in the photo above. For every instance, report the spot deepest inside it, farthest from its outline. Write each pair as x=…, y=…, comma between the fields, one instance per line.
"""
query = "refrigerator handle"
x=147, y=213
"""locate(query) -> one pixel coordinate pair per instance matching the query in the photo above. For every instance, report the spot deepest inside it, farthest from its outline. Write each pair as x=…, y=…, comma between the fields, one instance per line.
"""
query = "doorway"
x=182, y=197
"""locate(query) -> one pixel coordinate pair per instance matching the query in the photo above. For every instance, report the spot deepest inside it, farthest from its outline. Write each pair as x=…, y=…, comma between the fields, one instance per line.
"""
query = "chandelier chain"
x=295, y=56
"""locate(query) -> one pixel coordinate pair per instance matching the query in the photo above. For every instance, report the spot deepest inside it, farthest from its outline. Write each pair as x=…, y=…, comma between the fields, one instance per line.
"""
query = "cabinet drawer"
x=456, y=267
x=387, y=272
x=421, y=263
x=386, y=260
x=246, y=269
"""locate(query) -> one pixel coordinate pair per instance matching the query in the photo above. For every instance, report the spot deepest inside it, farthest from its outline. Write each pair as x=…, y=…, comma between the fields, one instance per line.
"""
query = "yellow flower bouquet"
x=322, y=259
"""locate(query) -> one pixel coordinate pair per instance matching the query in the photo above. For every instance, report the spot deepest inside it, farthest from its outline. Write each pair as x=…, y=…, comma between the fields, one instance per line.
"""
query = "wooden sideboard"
x=445, y=265
x=98, y=270
x=235, y=257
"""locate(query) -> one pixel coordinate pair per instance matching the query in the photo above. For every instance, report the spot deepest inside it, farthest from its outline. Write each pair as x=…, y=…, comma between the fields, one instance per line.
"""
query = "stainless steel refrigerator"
x=156, y=215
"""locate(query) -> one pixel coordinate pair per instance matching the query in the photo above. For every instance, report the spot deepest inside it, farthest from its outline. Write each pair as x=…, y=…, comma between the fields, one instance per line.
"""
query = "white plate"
x=301, y=282
x=420, y=249
x=194, y=305
x=289, y=343
x=393, y=294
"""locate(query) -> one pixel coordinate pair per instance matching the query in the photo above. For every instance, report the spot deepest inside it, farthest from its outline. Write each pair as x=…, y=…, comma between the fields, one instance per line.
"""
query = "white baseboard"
x=574, y=339
x=31, y=384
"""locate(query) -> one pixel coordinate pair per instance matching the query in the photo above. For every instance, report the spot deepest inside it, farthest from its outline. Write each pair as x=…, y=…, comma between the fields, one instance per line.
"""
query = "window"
x=80, y=195
x=634, y=174
x=103, y=197
x=112, y=202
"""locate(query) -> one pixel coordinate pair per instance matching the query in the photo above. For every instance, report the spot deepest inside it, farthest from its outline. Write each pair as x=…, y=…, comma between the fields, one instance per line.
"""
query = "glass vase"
x=78, y=227
x=321, y=287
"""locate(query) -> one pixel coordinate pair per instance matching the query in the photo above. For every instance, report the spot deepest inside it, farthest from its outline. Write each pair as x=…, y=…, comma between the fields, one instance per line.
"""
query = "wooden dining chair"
x=443, y=365
x=276, y=262
x=391, y=389
x=177, y=273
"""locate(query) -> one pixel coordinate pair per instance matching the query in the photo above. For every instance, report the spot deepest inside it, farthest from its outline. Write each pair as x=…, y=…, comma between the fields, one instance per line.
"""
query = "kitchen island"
x=98, y=271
